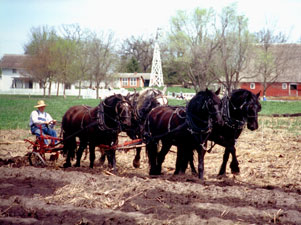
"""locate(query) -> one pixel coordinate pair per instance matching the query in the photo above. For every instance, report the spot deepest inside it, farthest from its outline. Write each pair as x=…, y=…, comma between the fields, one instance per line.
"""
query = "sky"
x=131, y=17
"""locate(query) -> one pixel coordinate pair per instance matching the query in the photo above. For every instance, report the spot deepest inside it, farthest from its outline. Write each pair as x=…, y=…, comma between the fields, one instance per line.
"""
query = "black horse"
x=95, y=126
x=142, y=103
x=240, y=108
x=187, y=128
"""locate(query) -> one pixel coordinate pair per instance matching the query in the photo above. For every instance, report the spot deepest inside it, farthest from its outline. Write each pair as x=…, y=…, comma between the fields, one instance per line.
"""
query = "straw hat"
x=40, y=103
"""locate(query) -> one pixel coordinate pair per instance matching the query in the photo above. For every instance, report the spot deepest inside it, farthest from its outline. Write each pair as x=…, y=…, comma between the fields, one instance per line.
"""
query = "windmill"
x=156, y=76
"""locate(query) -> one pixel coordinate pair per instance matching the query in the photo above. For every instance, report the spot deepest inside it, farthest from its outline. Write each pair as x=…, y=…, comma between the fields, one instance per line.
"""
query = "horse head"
x=149, y=99
x=120, y=109
x=245, y=107
x=203, y=109
x=251, y=111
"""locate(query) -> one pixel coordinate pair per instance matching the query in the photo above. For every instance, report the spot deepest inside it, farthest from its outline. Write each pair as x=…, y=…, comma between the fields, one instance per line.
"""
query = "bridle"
x=190, y=118
x=230, y=121
x=101, y=114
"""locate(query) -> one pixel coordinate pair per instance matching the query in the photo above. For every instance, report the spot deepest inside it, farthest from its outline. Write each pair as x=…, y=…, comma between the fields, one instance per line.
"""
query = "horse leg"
x=192, y=167
x=111, y=155
x=152, y=152
x=222, y=170
x=201, y=155
x=234, y=164
x=181, y=161
x=161, y=155
x=69, y=148
x=102, y=157
x=79, y=153
x=92, y=154
x=136, y=161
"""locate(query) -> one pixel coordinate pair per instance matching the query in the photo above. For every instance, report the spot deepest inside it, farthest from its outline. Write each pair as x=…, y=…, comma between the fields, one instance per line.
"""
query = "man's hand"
x=52, y=122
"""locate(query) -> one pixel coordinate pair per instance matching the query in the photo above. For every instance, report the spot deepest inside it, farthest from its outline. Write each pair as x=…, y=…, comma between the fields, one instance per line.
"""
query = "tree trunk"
x=79, y=88
x=58, y=89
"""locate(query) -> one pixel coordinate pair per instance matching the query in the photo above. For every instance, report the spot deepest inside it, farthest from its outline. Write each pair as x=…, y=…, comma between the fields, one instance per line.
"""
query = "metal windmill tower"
x=156, y=76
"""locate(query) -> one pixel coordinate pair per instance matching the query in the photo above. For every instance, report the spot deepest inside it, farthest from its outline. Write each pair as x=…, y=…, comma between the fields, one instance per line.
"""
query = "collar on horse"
x=195, y=129
x=228, y=120
x=101, y=119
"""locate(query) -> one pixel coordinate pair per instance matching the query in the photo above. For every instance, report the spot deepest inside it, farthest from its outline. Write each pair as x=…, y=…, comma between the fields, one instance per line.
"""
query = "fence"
x=85, y=93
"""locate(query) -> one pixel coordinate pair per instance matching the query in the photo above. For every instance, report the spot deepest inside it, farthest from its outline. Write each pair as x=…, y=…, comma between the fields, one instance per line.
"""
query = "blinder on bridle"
x=245, y=108
x=101, y=113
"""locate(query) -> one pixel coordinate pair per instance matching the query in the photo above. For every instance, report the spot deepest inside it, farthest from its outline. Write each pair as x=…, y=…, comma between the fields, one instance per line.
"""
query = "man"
x=40, y=117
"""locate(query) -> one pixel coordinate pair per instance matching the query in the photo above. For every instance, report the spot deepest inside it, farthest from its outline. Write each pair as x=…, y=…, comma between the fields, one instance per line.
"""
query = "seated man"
x=40, y=117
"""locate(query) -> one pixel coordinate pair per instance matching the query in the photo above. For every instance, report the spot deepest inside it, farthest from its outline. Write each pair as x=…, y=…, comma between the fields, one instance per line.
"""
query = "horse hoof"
x=154, y=172
x=136, y=164
x=66, y=165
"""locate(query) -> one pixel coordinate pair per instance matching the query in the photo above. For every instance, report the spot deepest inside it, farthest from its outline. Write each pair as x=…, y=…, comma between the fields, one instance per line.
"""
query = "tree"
x=140, y=49
x=193, y=45
x=272, y=56
x=102, y=59
x=39, y=64
x=133, y=65
x=235, y=44
x=82, y=39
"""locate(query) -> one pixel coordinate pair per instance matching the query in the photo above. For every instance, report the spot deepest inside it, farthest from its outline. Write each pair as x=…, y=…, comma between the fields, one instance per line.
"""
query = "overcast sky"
x=130, y=17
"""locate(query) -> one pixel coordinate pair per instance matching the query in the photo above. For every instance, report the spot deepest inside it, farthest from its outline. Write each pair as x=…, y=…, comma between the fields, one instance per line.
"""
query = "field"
x=267, y=191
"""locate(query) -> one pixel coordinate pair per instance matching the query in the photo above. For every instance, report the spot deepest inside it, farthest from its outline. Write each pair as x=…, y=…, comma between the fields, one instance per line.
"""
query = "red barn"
x=286, y=84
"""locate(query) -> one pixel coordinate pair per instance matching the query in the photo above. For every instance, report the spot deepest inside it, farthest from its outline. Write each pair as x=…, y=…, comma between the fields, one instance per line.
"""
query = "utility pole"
x=156, y=76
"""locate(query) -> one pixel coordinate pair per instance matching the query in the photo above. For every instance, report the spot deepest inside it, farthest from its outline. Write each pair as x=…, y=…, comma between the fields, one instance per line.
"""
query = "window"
x=252, y=85
x=293, y=87
x=124, y=82
x=284, y=85
x=133, y=82
x=67, y=86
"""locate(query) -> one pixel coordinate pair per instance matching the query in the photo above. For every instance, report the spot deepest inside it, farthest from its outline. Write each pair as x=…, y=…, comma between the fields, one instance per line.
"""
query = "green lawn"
x=15, y=109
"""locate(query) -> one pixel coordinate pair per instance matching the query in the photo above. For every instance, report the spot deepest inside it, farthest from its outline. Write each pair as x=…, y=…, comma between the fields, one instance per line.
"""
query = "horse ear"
x=218, y=91
x=164, y=90
x=258, y=94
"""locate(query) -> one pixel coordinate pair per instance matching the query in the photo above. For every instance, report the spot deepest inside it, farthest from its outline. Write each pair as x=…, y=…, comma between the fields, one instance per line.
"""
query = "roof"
x=12, y=61
x=146, y=76
x=292, y=74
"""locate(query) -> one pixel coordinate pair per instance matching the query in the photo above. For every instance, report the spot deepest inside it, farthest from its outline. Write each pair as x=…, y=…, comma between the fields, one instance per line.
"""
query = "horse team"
x=146, y=115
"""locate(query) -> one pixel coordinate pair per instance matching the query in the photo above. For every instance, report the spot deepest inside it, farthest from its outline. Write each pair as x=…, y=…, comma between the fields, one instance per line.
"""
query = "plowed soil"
x=267, y=191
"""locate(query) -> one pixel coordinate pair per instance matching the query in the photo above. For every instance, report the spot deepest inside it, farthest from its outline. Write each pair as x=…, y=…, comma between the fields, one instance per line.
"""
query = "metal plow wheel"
x=35, y=159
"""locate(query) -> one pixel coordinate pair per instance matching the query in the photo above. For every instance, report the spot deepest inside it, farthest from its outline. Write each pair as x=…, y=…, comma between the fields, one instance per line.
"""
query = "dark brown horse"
x=95, y=126
x=187, y=128
x=240, y=108
x=142, y=102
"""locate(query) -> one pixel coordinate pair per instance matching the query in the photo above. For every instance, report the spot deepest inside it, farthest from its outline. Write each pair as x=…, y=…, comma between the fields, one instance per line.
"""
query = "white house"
x=14, y=81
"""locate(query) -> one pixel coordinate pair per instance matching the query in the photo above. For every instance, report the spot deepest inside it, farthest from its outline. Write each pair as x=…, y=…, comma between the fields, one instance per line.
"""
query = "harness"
x=230, y=122
x=194, y=129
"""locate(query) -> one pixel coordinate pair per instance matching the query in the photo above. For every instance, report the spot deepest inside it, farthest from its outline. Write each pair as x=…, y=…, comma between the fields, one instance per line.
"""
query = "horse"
x=187, y=128
x=142, y=103
x=95, y=126
x=240, y=108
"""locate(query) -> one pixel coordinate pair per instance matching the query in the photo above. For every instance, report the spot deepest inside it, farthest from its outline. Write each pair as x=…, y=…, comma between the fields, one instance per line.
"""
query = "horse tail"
x=69, y=145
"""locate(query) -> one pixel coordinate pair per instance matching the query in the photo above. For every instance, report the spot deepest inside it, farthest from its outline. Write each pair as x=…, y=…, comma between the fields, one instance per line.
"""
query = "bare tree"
x=193, y=45
x=273, y=56
x=39, y=64
x=139, y=48
x=81, y=54
x=102, y=58
x=235, y=44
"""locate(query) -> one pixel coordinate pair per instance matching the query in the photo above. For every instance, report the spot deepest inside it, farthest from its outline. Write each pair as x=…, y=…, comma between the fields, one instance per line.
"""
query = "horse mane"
x=148, y=94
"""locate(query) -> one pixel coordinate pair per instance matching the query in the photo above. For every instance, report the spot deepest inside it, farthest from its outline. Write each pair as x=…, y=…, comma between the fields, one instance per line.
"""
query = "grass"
x=15, y=109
